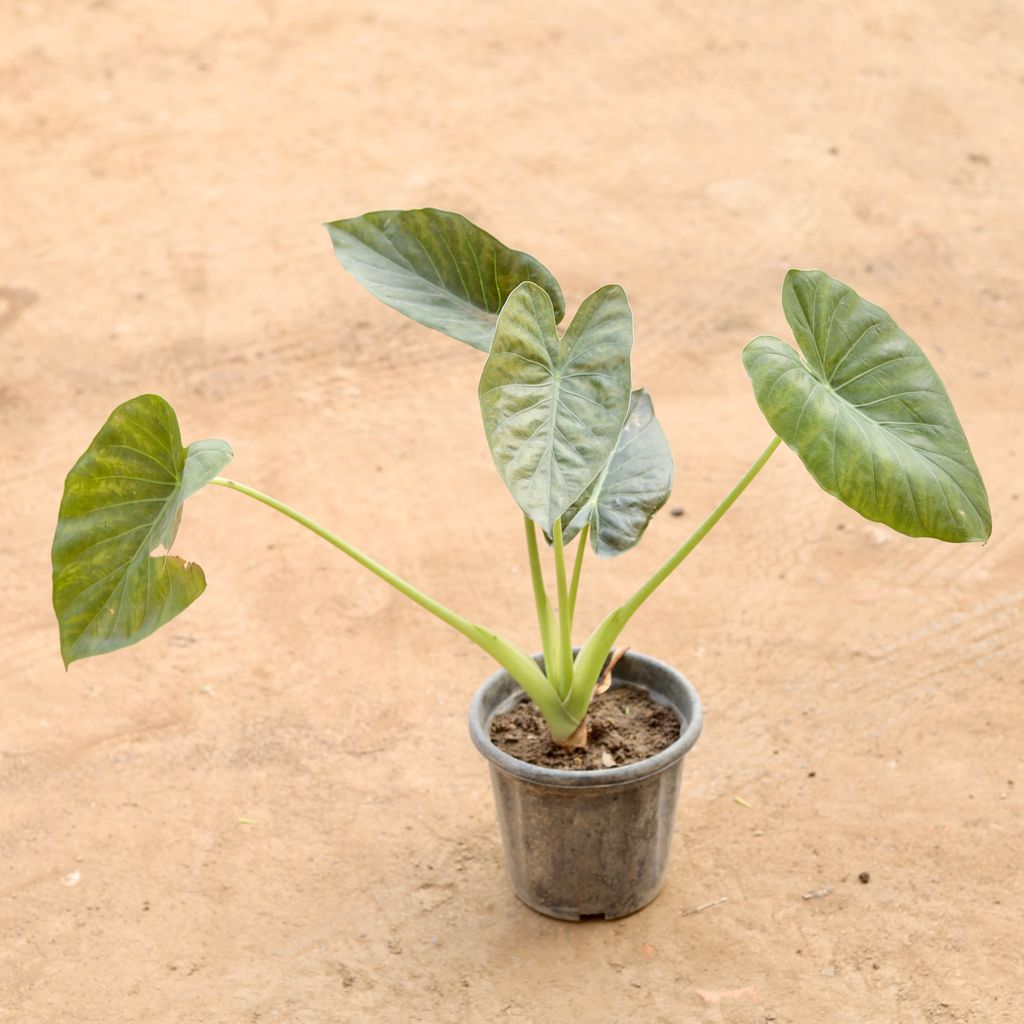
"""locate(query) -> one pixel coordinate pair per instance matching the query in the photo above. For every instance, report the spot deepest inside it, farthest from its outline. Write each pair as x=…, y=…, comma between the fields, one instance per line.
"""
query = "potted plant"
x=586, y=827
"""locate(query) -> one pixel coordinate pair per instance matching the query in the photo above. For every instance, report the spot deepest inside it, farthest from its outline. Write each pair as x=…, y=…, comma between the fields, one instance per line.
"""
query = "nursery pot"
x=588, y=844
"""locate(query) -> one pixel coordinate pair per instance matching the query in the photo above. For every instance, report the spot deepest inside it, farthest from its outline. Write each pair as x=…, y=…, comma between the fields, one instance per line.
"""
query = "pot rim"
x=692, y=716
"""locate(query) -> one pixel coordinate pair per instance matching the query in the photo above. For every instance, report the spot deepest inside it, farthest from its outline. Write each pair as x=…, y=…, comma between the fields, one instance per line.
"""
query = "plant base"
x=589, y=844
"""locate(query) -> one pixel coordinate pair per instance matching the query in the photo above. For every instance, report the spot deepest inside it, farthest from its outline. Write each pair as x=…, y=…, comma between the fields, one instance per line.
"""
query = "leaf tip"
x=796, y=273
x=67, y=652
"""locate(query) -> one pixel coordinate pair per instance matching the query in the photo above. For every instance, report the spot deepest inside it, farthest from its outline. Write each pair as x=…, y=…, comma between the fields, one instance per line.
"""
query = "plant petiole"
x=577, y=570
x=563, y=682
x=518, y=663
x=593, y=653
x=545, y=614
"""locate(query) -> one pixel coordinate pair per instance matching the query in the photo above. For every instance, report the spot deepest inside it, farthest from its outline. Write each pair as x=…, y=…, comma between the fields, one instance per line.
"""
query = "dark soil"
x=624, y=726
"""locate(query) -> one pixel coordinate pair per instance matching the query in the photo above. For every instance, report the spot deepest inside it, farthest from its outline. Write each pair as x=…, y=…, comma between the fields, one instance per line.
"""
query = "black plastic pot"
x=586, y=844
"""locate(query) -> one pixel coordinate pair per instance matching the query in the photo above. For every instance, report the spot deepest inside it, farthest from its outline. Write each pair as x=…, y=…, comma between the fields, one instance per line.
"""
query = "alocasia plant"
x=578, y=447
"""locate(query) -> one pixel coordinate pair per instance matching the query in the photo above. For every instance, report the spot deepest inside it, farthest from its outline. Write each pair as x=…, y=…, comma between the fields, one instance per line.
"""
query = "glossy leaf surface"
x=122, y=499
x=635, y=482
x=438, y=269
x=553, y=407
x=867, y=413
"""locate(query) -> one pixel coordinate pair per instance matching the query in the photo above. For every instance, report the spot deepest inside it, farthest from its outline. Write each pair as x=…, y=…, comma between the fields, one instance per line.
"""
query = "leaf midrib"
x=402, y=263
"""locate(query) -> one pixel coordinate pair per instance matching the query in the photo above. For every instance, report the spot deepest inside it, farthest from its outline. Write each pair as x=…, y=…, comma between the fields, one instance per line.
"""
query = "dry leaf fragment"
x=714, y=998
x=605, y=679
x=705, y=906
x=818, y=894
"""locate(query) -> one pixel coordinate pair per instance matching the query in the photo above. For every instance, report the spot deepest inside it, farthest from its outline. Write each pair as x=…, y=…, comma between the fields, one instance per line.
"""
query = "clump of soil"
x=624, y=726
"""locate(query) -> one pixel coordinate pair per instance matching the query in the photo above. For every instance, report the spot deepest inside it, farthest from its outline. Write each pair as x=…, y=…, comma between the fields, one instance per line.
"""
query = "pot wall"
x=589, y=843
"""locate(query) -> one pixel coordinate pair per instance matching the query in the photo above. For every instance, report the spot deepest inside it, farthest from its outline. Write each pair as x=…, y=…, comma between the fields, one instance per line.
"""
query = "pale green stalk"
x=545, y=614
x=577, y=570
x=593, y=653
x=563, y=681
x=516, y=661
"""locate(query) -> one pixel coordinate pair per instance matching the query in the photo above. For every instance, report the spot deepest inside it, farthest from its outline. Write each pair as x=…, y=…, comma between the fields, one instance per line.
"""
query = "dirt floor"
x=271, y=811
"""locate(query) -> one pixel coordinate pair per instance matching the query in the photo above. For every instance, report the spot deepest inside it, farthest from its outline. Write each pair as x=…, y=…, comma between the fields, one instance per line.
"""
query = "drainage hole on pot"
x=591, y=917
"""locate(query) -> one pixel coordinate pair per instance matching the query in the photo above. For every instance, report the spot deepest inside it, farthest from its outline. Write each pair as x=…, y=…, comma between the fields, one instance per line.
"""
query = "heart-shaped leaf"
x=867, y=413
x=553, y=407
x=122, y=499
x=438, y=268
x=635, y=482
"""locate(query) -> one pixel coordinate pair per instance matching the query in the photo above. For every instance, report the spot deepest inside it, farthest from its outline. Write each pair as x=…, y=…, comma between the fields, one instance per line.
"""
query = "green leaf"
x=553, y=407
x=122, y=499
x=438, y=269
x=635, y=482
x=867, y=413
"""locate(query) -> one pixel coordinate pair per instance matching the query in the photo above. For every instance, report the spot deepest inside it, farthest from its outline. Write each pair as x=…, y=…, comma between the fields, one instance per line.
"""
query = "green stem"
x=453, y=619
x=518, y=663
x=545, y=615
x=563, y=682
x=634, y=603
x=595, y=650
x=577, y=570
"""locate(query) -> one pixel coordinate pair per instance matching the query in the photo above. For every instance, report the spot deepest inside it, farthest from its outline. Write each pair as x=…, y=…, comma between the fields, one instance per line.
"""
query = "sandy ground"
x=271, y=811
